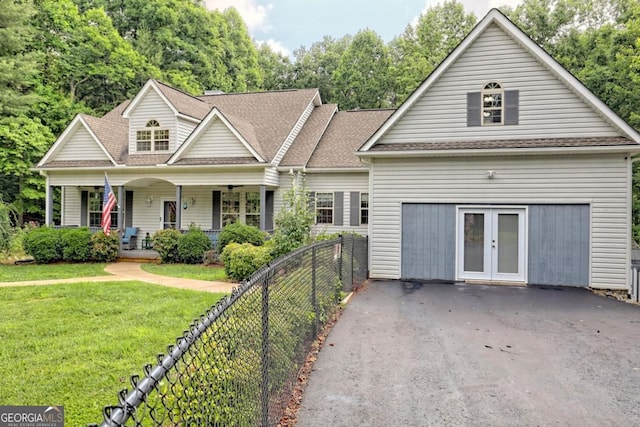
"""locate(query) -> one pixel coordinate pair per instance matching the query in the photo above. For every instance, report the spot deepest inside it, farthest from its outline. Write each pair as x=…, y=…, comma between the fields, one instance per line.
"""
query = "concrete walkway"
x=122, y=271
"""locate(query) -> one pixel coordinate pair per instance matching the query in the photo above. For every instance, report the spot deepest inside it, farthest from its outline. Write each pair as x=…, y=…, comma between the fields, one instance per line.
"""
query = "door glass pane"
x=474, y=242
x=169, y=215
x=508, y=243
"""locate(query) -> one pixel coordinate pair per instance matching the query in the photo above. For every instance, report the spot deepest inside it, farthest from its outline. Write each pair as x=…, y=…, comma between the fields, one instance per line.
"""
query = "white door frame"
x=490, y=270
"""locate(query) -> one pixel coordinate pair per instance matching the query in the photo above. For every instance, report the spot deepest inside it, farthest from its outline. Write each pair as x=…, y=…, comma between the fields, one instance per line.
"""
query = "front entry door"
x=491, y=244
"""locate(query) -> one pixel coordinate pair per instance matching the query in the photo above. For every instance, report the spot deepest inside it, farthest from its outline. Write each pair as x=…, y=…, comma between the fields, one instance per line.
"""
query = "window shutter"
x=474, y=115
x=216, y=211
x=128, y=209
x=511, y=107
x=338, y=208
x=269, y=215
x=84, y=207
x=354, y=209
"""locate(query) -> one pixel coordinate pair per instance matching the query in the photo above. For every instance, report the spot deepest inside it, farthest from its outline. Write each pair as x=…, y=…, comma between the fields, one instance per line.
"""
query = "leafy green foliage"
x=242, y=260
x=43, y=244
x=104, y=248
x=165, y=242
x=294, y=221
x=6, y=230
x=239, y=233
x=76, y=244
x=362, y=75
x=192, y=245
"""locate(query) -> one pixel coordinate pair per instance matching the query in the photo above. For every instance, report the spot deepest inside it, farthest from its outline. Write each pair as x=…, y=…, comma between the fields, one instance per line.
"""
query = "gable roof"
x=246, y=137
x=272, y=115
x=495, y=17
x=181, y=103
x=96, y=129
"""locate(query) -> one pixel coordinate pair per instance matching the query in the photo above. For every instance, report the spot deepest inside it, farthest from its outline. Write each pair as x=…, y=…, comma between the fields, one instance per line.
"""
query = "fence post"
x=340, y=259
x=353, y=251
x=314, y=297
x=265, y=350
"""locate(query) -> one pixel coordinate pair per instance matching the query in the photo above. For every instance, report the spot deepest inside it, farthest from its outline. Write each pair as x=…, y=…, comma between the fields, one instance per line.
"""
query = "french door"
x=491, y=244
x=169, y=214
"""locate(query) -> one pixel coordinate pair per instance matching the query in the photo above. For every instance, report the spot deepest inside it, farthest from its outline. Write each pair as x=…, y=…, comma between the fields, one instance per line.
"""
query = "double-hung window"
x=364, y=208
x=324, y=208
x=230, y=207
x=492, y=105
x=95, y=210
x=152, y=137
x=252, y=209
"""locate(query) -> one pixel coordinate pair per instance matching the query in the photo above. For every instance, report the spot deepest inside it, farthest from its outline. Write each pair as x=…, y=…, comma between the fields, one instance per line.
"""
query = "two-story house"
x=501, y=167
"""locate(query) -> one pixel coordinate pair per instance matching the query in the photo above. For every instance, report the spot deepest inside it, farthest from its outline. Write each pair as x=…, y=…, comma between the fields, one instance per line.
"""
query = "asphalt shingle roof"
x=499, y=144
x=345, y=135
x=309, y=136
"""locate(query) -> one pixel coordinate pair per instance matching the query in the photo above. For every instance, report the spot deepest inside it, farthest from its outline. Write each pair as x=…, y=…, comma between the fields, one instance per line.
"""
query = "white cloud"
x=479, y=7
x=275, y=46
x=254, y=15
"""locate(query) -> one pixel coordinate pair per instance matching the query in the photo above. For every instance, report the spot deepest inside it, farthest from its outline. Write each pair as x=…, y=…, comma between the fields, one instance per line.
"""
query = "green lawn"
x=199, y=272
x=77, y=344
x=28, y=272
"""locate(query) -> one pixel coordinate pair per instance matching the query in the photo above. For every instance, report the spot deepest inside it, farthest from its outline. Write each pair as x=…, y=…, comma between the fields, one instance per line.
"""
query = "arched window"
x=492, y=104
x=152, y=138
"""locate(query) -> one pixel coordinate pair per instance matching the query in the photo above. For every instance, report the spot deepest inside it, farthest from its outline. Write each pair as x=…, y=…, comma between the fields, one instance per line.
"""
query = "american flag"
x=108, y=202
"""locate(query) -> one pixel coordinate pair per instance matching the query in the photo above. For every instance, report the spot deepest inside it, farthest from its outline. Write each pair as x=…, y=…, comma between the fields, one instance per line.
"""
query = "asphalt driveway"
x=406, y=354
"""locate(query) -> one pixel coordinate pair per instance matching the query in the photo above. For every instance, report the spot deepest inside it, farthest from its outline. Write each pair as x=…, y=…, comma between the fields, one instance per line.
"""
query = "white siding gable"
x=80, y=145
x=548, y=108
x=216, y=141
x=185, y=127
x=152, y=107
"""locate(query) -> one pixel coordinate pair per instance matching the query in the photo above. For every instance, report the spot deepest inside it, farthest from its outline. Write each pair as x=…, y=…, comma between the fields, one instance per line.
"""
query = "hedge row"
x=47, y=245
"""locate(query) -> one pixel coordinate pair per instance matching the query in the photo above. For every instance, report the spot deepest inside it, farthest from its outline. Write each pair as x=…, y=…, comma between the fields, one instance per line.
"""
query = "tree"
x=362, y=76
x=23, y=142
x=315, y=67
x=422, y=47
x=18, y=60
x=294, y=221
x=276, y=69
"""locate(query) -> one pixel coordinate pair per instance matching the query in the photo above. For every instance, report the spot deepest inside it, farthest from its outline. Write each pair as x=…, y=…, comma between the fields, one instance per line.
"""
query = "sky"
x=288, y=24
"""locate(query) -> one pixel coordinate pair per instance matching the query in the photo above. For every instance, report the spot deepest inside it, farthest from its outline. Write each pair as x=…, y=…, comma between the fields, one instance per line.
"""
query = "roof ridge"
x=177, y=90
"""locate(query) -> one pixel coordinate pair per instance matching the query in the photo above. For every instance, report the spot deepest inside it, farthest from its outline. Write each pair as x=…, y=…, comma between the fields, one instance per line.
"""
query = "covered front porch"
x=152, y=204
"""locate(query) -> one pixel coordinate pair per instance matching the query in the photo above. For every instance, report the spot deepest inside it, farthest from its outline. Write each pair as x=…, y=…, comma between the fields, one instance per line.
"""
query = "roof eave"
x=623, y=149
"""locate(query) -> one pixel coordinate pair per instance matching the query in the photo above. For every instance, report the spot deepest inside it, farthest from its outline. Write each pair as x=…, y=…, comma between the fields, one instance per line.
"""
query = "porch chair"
x=130, y=238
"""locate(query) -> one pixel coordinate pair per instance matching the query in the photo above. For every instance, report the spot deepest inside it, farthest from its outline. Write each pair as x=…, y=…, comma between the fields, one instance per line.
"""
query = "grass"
x=28, y=272
x=186, y=271
x=77, y=344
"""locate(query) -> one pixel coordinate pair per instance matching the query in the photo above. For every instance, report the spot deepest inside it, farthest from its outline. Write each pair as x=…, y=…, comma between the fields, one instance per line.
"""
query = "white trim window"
x=364, y=208
x=492, y=104
x=95, y=210
x=324, y=208
x=230, y=207
x=152, y=137
x=252, y=209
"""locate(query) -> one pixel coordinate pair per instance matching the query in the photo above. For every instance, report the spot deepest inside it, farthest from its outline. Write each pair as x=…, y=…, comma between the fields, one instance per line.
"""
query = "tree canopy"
x=61, y=57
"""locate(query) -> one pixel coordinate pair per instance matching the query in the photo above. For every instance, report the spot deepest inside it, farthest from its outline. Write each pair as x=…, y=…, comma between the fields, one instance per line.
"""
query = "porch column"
x=178, y=207
x=48, y=216
x=120, y=214
x=263, y=207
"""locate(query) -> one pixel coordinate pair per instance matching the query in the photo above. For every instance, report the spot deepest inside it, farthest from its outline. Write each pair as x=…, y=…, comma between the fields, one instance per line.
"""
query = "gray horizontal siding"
x=216, y=141
x=547, y=108
x=601, y=180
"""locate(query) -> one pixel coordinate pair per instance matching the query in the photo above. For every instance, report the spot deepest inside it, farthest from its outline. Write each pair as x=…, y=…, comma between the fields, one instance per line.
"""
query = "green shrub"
x=43, y=244
x=104, y=248
x=192, y=245
x=165, y=242
x=239, y=233
x=241, y=260
x=76, y=244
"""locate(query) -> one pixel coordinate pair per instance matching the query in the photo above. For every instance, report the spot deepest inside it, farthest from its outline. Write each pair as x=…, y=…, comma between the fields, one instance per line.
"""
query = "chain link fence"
x=238, y=363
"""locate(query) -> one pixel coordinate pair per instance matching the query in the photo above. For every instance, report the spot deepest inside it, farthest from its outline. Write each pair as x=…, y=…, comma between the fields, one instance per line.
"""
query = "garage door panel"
x=559, y=245
x=428, y=241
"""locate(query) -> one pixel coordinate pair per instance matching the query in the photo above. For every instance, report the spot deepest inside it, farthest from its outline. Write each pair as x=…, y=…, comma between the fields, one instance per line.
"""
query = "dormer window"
x=152, y=138
x=492, y=106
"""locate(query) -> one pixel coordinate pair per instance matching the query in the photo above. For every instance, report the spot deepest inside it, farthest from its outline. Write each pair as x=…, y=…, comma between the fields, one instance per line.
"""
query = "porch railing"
x=237, y=364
